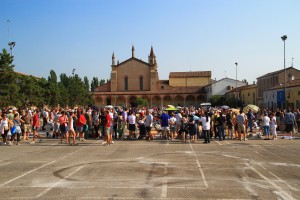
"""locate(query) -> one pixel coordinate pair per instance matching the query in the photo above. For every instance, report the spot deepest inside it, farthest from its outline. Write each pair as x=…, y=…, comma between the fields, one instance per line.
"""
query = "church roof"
x=190, y=74
x=130, y=59
x=103, y=88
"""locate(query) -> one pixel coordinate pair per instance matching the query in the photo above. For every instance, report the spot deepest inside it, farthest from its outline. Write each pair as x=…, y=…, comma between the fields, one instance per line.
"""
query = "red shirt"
x=81, y=121
x=35, y=121
x=108, y=120
x=63, y=120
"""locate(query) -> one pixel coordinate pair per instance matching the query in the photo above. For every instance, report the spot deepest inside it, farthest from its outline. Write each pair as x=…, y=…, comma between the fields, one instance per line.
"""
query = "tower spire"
x=113, y=59
x=132, y=51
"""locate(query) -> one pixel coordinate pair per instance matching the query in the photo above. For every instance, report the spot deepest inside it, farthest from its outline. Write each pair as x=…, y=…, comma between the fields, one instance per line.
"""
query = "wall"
x=133, y=70
x=189, y=81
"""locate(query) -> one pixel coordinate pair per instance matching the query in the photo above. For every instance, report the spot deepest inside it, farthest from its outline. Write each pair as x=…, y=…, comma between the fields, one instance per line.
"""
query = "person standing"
x=131, y=124
x=63, y=124
x=205, y=120
x=164, y=118
x=289, y=121
x=149, y=124
x=273, y=126
x=172, y=122
x=17, y=122
x=108, y=127
x=35, y=126
x=229, y=123
x=80, y=125
x=250, y=118
x=71, y=128
x=221, y=122
x=241, y=121
x=4, y=127
x=266, y=126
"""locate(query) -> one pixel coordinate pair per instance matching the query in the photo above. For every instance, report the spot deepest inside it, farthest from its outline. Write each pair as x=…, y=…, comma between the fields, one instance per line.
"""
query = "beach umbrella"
x=254, y=108
x=225, y=107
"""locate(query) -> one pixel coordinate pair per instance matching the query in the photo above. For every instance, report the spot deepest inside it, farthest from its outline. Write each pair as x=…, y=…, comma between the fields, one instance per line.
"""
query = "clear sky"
x=187, y=35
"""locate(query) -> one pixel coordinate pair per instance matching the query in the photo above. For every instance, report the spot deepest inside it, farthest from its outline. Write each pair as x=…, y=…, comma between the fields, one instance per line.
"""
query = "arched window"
x=141, y=83
x=126, y=83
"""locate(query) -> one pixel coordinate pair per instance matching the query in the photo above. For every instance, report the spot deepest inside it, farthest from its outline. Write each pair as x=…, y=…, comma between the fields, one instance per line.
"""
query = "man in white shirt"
x=148, y=124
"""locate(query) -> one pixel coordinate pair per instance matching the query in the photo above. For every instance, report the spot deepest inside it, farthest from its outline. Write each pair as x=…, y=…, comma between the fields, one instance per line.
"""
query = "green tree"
x=32, y=91
x=102, y=81
x=141, y=102
x=53, y=90
x=94, y=83
x=9, y=89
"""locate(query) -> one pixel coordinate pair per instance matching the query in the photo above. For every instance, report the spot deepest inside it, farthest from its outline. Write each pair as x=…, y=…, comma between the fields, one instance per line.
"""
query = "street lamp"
x=11, y=46
x=236, y=96
x=284, y=39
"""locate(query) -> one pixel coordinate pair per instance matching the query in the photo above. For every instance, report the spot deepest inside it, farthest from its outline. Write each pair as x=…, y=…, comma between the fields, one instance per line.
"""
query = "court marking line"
x=48, y=189
x=227, y=142
x=33, y=170
x=259, y=153
x=24, y=174
x=268, y=143
x=164, y=187
x=277, y=190
x=2, y=164
x=218, y=142
x=199, y=167
x=279, y=179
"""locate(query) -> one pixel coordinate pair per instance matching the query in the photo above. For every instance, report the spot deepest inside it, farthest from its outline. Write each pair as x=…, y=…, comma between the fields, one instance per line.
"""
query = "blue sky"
x=187, y=35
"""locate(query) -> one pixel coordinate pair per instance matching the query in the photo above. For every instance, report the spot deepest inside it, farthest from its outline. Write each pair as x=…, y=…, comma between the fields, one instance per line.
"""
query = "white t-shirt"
x=131, y=119
x=266, y=121
x=178, y=117
x=172, y=121
x=205, y=124
x=149, y=120
x=273, y=121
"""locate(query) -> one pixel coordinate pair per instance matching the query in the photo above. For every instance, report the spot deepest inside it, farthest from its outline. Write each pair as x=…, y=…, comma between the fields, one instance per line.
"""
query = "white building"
x=222, y=86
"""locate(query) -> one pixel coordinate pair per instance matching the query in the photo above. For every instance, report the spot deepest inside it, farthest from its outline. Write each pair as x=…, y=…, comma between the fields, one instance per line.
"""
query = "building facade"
x=274, y=79
x=134, y=78
x=274, y=97
x=222, y=86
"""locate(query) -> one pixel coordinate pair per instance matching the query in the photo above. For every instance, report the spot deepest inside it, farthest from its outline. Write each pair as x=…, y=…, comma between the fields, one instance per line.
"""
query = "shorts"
x=273, y=130
x=241, y=128
x=165, y=128
x=172, y=128
x=27, y=128
x=131, y=127
x=79, y=129
x=288, y=128
x=63, y=129
x=56, y=127
x=107, y=131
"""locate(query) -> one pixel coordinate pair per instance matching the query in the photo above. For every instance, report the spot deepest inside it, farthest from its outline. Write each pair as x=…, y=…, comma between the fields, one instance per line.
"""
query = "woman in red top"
x=107, y=127
x=63, y=123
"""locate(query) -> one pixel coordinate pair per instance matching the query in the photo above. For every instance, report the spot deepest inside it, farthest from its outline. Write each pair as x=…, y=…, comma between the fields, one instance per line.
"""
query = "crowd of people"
x=114, y=123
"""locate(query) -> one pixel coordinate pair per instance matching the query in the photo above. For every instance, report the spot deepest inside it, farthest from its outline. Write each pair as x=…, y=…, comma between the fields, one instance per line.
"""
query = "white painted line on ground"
x=2, y=164
x=218, y=142
x=284, y=182
x=164, y=187
x=258, y=153
x=277, y=189
x=261, y=166
x=22, y=175
x=58, y=182
x=199, y=167
x=268, y=143
x=227, y=142
x=49, y=163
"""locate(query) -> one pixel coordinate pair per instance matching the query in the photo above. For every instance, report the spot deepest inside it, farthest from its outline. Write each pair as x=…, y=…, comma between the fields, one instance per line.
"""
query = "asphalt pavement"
x=158, y=169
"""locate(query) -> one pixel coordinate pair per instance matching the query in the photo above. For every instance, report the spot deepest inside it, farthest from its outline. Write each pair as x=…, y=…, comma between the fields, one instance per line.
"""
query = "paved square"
x=255, y=169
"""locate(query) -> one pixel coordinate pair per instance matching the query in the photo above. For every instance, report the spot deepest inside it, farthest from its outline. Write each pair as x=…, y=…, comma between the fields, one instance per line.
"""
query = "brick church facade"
x=135, y=78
